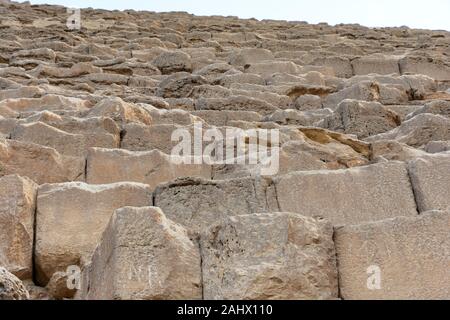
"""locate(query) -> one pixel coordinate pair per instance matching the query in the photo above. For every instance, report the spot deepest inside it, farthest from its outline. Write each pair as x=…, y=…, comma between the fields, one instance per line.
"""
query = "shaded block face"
x=198, y=203
x=401, y=258
x=17, y=207
x=269, y=256
x=430, y=177
x=152, y=168
x=71, y=217
x=143, y=255
x=40, y=164
x=352, y=196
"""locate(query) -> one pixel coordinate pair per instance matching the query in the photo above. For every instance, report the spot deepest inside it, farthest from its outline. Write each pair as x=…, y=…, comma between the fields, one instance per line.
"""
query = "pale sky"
x=426, y=14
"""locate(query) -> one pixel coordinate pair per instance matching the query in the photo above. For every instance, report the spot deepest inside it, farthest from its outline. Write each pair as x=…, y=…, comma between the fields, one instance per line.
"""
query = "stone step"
x=149, y=167
x=143, y=255
x=70, y=218
x=401, y=258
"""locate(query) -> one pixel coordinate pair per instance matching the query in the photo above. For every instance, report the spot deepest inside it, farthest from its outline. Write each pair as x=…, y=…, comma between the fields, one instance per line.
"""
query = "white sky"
x=427, y=14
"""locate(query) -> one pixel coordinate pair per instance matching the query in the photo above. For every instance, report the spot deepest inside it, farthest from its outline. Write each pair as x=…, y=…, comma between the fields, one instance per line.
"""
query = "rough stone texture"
x=71, y=217
x=197, y=203
x=11, y=288
x=100, y=104
x=40, y=164
x=412, y=254
x=145, y=256
x=430, y=176
x=350, y=196
x=418, y=131
x=269, y=256
x=362, y=119
x=151, y=168
x=17, y=207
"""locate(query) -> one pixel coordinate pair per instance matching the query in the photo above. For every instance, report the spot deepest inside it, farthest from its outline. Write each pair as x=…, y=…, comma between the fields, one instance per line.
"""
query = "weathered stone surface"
x=71, y=217
x=223, y=118
x=102, y=104
x=420, y=65
x=236, y=103
x=430, y=176
x=351, y=196
x=179, y=85
x=379, y=64
x=11, y=288
x=439, y=107
x=362, y=119
x=410, y=253
x=145, y=256
x=23, y=103
x=269, y=256
x=40, y=164
x=174, y=61
x=120, y=111
x=250, y=56
x=57, y=286
x=388, y=150
x=198, y=203
x=151, y=167
x=17, y=207
x=418, y=131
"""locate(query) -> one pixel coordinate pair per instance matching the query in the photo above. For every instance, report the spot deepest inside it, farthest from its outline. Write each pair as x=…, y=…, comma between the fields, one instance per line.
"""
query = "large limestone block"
x=40, y=164
x=269, y=256
x=362, y=119
x=71, y=136
x=379, y=64
x=71, y=217
x=138, y=137
x=437, y=69
x=223, y=117
x=401, y=258
x=17, y=207
x=418, y=131
x=249, y=56
x=152, y=167
x=48, y=102
x=351, y=196
x=173, y=61
x=439, y=107
x=11, y=288
x=430, y=177
x=198, y=203
x=236, y=103
x=179, y=85
x=45, y=135
x=145, y=256
x=121, y=111
x=266, y=69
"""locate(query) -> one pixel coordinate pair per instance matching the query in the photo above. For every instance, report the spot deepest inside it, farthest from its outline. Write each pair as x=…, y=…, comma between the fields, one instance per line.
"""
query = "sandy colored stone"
x=17, y=208
x=411, y=253
x=71, y=217
x=144, y=256
x=148, y=167
x=351, y=196
x=40, y=164
x=198, y=203
x=269, y=256
x=430, y=177
x=362, y=119
x=11, y=288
